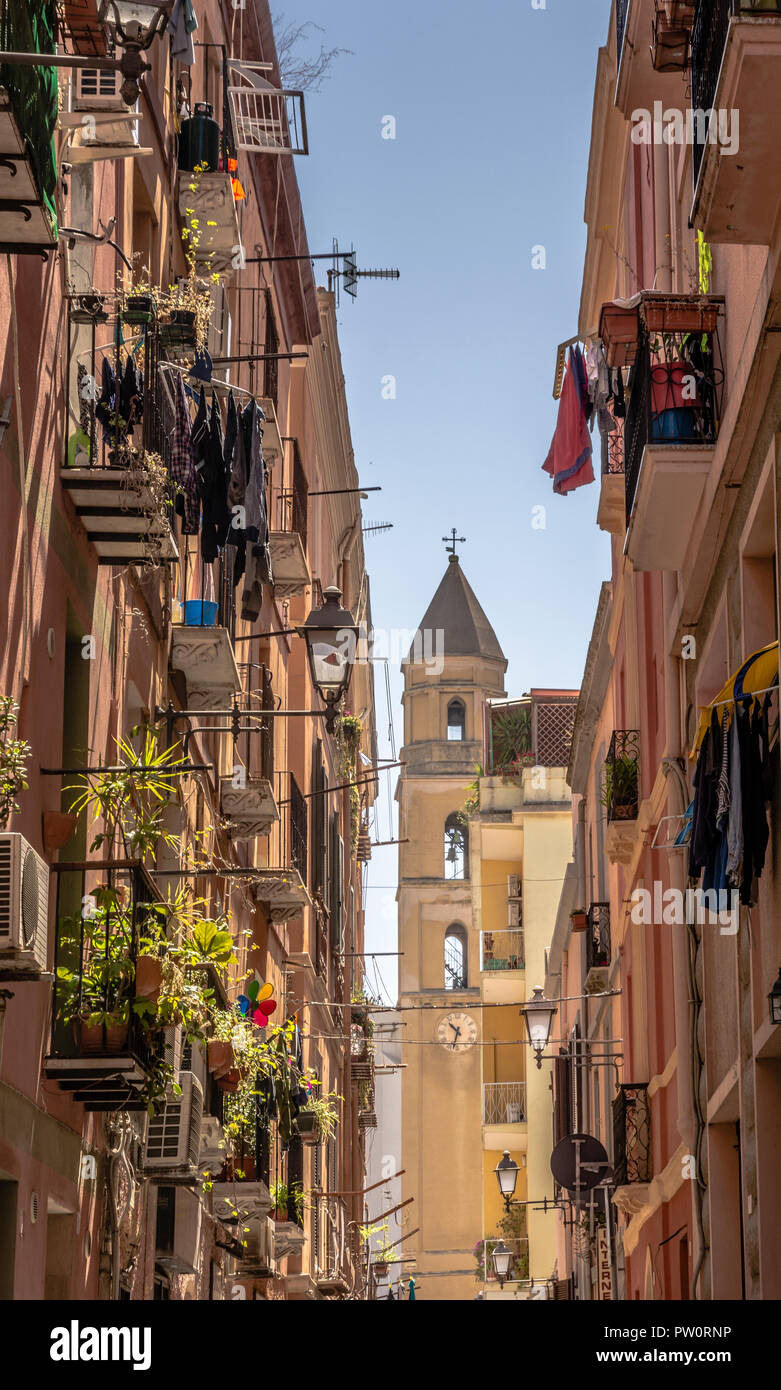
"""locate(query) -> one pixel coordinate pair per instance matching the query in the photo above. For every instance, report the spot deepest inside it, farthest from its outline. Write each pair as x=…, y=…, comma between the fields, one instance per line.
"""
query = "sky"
x=492, y=111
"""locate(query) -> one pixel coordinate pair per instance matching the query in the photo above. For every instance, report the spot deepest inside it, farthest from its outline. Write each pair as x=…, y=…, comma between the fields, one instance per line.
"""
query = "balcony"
x=502, y=965
x=289, y=1239
x=639, y=40
x=504, y=1115
x=287, y=542
x=266, y=119
x=632, y=1169
x=621, y=794
x=101, y=1050
x=534, y=732
x=611, y=510
x=204, y=655
x=672, y=28
x=672, y=423
x=283, y=887
x=28, y=117
x=235, y=1202
x=598, y=949
x=117, y=464
x=250, y=808
x=736, y=72
x=333, y=1272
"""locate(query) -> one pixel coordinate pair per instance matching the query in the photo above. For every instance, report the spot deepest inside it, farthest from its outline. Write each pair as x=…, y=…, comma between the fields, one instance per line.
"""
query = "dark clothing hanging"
x=106, y=406
x=183, y=463
x=131, y=398
x=257, y=560
x=706, y=779
x=216, y=517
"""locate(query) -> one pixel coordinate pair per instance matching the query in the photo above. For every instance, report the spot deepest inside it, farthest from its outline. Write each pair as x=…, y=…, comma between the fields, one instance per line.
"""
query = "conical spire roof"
x=455, y=609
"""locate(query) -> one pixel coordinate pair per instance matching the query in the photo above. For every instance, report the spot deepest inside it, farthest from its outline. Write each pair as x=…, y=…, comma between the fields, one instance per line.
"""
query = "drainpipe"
x=690, y=1126
x=663, y=281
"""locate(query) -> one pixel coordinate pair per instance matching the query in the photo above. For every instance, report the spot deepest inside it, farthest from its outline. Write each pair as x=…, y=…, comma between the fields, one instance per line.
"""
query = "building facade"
x=182, y=850
x=673, y=1062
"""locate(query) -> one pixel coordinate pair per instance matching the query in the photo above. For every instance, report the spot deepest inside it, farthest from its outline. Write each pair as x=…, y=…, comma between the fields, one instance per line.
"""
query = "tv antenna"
x=349, y=274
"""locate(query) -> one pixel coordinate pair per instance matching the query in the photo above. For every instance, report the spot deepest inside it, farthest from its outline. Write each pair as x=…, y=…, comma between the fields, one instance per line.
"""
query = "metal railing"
x=504, y=1102
x=676, y=389
x=102, y=912
x=502, y=950
x=330, y=1252
x=631, y=1135
x=598, y=946
x=622, y=775
x=708, y=42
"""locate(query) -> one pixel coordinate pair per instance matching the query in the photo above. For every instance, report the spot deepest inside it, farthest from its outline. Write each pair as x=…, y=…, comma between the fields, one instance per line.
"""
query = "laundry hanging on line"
x=569, y=457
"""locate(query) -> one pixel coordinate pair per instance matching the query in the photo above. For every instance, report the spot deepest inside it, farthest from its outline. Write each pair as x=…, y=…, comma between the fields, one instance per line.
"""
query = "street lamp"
x=331, y=637
x=135, y=24
x=507, y=1176
x=538, y=1013
x=501, y=1259
x=774, y=1000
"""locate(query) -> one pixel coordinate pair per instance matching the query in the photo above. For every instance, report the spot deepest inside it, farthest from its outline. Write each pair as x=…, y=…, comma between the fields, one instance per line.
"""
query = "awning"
x=756, y=674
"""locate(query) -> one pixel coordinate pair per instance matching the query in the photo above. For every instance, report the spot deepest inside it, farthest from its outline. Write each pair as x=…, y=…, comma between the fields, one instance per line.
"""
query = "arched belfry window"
x=456, y=721
x=456, y=957
x=456, y=847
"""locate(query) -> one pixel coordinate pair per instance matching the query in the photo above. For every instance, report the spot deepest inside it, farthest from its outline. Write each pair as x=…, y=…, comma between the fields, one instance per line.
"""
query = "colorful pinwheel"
x=257, y=1003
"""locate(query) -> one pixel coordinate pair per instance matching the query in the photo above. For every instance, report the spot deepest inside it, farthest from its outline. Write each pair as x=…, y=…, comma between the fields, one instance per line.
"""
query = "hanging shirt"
x=569, y=457
x=183, y=462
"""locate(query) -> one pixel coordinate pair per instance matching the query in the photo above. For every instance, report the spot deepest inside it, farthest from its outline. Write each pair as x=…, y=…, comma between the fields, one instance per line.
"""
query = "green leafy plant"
x=283, y=1197
x=471, y=805
x=325, y=1108
x=14, y=753
x=349, y=731
x=511, y=732
x=618, y=794
x=129, y=801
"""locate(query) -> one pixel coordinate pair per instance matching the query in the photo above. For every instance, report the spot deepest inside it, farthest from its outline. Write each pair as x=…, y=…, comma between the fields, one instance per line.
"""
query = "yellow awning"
x=757, y=673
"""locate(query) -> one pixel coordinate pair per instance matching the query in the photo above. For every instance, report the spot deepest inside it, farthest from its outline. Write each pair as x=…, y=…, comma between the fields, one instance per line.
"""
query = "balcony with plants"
x=117, y=465
x=210, y=192
x=632, y=1155
x=620, y=794
x=650, y=53
x=28, y=120
x=736, y=73
x=676, y=394
x=520, y=738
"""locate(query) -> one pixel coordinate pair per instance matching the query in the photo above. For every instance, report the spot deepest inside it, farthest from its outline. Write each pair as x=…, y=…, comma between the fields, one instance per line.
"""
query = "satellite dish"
x=579, y=1162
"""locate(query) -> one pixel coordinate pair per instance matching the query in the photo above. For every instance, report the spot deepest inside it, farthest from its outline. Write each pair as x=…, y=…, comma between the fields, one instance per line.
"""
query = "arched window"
x=456, y=721
x=456, y=847
x=456, y=957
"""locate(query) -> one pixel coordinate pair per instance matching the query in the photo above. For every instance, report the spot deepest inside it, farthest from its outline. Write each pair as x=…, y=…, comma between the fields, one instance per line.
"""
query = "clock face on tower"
x=457, y=1032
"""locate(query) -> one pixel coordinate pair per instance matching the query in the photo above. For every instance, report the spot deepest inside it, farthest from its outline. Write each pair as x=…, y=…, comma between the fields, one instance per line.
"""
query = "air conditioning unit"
x=211, y=1155
x=173, y=1138
x=179, y=1216
x=514, y=914
x=97, y=89
x=514, y=886
x=172, y=1049
x=257, y=1239
x=24, y=908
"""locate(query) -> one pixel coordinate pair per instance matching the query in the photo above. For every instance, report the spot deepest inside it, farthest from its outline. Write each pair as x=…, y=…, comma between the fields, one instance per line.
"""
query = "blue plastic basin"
x=200, y=612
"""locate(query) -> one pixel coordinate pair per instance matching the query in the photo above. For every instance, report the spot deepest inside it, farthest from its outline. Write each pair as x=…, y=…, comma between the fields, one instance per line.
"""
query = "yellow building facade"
x=484, y=848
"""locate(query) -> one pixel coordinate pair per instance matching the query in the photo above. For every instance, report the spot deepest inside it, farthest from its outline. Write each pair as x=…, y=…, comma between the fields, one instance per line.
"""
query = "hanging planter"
x=619, y=329
x=308, y=1127
x=663, y=314
x=579, y=919
x=140, y=308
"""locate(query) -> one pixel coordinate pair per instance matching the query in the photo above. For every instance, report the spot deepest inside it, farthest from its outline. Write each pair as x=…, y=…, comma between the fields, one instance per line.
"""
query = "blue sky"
x=492, y=104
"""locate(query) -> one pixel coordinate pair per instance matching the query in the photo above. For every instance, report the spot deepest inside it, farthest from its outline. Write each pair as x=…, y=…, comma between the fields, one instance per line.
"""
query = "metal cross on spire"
x=452, y=540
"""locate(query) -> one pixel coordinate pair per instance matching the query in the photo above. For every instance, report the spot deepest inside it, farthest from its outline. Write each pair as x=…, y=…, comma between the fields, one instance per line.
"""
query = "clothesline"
x=213, y=381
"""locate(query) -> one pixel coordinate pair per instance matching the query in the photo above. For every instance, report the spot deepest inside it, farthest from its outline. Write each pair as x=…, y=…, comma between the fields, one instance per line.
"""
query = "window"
x=455, y=957
x=456, y=847
x=456, y=721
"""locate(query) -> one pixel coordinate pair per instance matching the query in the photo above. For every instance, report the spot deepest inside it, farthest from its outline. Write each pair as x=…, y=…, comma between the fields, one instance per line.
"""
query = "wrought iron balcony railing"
x=676, y=389
x=598, y=946
x=622, y=10
x=708, y=42
x=621, y=787
x=101, y=1047
x=502, y=950
x=504, y=1102
x=631, y=1135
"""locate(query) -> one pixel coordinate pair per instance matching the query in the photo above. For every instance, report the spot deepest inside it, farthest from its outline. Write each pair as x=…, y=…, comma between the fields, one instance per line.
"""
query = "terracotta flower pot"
x=58, y=826
x=149, y=978
x=579, y=921
x=92, y=1040
x=220, y=1056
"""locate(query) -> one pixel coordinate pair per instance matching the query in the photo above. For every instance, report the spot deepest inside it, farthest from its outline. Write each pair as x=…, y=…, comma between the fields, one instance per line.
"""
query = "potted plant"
x=283, y=1199
x=579, y=919
x=672, y=314
x=139, y=308
x=620, y=788
x=319, y=1117
x=619, y=329
x=14, y=753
